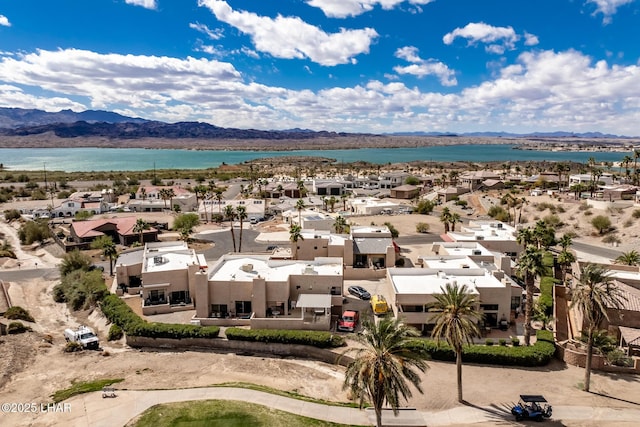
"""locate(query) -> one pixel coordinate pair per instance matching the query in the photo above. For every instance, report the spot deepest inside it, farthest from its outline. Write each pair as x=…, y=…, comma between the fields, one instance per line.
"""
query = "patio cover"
x=314, y=301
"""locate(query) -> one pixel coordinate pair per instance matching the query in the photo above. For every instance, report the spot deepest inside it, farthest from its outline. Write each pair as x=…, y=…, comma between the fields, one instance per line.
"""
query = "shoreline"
x=332, y=143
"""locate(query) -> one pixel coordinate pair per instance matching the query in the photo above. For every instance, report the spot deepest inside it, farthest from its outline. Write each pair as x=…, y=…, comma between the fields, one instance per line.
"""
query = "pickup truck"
x=83, y=336
x=348, y=321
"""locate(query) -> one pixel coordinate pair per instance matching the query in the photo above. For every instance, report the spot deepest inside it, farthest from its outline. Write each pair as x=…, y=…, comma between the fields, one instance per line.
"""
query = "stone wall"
x=572, y=356
x=295, y=350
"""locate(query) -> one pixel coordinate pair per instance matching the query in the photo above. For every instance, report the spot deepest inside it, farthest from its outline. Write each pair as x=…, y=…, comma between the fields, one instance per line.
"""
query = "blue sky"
x=340, y=65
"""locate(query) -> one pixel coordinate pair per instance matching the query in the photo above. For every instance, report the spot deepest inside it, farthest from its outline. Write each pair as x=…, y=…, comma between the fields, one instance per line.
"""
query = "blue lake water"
x=135, y=159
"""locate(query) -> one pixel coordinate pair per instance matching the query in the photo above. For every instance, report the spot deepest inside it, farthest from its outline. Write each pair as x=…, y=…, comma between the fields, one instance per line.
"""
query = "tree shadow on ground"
x=614, y=398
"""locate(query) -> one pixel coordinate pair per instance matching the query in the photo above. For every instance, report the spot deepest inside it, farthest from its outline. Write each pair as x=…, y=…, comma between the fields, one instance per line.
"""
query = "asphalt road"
x=596, y=250
x=224, y=243
x=28, y=274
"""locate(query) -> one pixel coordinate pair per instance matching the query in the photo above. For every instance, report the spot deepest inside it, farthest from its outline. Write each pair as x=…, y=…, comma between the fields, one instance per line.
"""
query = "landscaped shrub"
x=72, y=347
x=319, y=339
x=17, y=328
x=119, y=313
x=515, y=341
x=18, y=313
x=546, y=294
x=538, y=354
x=502, y=342
x=488, y=342
x=115, y=333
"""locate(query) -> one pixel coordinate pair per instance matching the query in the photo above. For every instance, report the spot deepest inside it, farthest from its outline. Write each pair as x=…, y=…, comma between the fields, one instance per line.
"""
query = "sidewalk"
x=92, y=410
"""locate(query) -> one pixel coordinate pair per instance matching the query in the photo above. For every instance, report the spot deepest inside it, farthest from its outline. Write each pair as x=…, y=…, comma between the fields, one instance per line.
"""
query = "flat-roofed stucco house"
x=268, y=293
x=414, y=289
x=164, y=273
x=494, y=235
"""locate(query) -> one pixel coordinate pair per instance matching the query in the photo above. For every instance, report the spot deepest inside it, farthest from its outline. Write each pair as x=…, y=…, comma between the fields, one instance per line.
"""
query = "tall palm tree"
x=629, y=258
x=295, y=234
x=241, y=214
x=139, y=228
x=230, y=215
x=525, y=237
x=201, y=191
x=530, y=265
x=456, y=322
x=164, y=195
x=594, y=293
x=455, y=217
x=565, y=259
x=170, y=195
x=384, y=365
x=109, y=250
x=626, y=162
x=340, y=224
x=445, y=218
x=300, y=207
x=636, y=155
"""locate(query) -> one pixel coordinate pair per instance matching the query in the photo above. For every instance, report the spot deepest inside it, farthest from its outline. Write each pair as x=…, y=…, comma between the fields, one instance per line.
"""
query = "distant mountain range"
x=69, y=124
x=559, y=134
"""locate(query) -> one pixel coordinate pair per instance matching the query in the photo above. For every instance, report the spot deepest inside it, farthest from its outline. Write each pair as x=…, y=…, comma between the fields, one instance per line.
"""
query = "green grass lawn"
x=221, y=413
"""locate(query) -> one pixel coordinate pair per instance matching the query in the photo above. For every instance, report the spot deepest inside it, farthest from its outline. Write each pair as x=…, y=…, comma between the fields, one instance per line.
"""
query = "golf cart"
x=534, y=407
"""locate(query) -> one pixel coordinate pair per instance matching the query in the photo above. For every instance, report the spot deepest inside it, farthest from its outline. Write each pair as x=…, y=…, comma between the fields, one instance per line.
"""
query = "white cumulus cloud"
x=291, y=37
x=608, y=8
x=4, y=21
x=424, y=67
x=216, y=34
x=345, y=8
x=497, y=39
x=147, y=4
x=542, y=90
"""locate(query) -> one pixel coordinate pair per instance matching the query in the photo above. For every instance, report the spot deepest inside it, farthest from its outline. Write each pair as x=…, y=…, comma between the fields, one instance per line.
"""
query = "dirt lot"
x=31, y=368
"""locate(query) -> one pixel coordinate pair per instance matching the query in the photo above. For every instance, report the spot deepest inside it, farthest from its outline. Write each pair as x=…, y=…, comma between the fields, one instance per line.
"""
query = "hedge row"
x=546, y=293
x=319, y=339
x=119, y=313
x=538, y=354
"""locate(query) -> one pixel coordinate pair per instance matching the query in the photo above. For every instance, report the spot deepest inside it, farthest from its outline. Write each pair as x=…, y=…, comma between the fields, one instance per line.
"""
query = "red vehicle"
x=348, y=321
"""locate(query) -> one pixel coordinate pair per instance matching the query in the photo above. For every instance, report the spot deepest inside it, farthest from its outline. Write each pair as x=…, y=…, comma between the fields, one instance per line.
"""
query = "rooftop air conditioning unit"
x=499, y=225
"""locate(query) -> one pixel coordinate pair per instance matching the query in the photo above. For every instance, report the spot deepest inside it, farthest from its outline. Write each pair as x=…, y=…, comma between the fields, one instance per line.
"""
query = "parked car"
x=379, y=305
x=348, y=321
x=360, y=292
x=83, y=336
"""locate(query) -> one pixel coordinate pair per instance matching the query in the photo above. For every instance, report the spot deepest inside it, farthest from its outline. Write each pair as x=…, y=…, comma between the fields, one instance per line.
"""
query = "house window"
x=219, y=310
x=489, y=307
x=243, y=307
x=515, y=302
x=335, y=290
x=156, y=296
x=179, y=297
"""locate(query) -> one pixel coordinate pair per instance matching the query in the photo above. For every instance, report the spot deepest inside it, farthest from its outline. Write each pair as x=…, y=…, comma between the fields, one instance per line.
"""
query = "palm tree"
x=340, y=224
x=143, y=193
x=629, y=258
x=530, y=265
x=241, y=214
x=525, y=237
x=108, y=249
x=445, y=218
x=201, y=191
x=626, y=161
x=594, y=293
x=636, y=155
x=332, y=202
x=387, y=358
x=455, y=217
x=164, y=195
x=300, y=207
x=170, y=195
x=139, y=228
x=295, y=234
x=456, y=322
x=230, y=215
